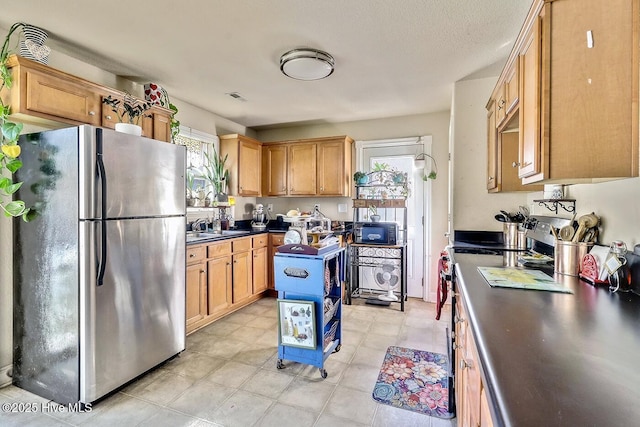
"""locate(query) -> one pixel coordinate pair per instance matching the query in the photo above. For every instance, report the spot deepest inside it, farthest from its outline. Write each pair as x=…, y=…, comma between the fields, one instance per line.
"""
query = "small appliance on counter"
x=259, y=221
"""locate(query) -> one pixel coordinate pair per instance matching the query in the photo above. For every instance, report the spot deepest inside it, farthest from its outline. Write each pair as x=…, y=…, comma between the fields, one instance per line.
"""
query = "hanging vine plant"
x=9, y=148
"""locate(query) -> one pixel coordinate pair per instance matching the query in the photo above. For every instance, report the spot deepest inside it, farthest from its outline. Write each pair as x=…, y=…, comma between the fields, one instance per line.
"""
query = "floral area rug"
x=415, y=380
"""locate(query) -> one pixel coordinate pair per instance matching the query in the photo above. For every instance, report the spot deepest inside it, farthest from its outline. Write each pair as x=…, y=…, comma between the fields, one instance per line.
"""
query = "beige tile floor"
x=227, y=376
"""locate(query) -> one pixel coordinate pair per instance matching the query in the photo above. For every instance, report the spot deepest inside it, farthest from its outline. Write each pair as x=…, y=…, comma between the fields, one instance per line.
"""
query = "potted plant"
x=373, y=213
x=216, y=174
x=129, y=111
x=191, y=196
x=9, y=148
x=360, y=178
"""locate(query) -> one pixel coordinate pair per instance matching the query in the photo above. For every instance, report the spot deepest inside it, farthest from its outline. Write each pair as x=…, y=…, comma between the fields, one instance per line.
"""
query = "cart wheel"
x=323, y=373
x=280, y=365
x=337, y=349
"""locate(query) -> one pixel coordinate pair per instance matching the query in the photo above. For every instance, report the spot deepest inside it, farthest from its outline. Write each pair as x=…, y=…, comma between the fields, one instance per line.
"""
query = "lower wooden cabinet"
x=196, y=282
x=219, y=281
x=472, y=404
x=260, y=253
x=224, y=276
x=275, y=240
x=242, y=278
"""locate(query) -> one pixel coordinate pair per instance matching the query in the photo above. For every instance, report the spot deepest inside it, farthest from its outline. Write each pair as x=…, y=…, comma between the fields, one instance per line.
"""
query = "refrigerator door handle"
x=103, y=203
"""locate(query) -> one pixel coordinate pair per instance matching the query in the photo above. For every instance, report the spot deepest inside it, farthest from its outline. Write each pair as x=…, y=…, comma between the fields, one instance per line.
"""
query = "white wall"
x=473, y=207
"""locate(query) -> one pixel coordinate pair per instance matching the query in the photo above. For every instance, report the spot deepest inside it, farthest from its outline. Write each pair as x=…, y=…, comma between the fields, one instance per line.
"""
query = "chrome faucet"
x=195, y=225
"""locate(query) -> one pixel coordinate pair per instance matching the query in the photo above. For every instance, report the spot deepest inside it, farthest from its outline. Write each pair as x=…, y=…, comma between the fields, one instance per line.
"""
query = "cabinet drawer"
x=241, y=245
x=259, y=241
x=277, y=239
x=195, y=254
x=219, y=249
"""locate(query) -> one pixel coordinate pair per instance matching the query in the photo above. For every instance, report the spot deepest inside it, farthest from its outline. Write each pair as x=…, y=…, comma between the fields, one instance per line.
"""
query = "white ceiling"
x=393, y=57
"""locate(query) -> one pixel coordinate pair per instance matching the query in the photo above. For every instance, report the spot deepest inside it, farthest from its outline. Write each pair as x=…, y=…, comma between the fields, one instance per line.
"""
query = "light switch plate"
x=342, y=207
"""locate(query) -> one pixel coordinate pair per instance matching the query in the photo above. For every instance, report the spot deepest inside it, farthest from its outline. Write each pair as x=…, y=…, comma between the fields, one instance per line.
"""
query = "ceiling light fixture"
x=306, y=64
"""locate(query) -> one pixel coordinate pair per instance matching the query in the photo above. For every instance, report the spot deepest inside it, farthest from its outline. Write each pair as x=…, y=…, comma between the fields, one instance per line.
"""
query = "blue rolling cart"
x=309, y=305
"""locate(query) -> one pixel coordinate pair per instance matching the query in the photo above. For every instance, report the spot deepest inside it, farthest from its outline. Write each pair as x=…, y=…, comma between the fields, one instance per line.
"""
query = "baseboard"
x=5, y=375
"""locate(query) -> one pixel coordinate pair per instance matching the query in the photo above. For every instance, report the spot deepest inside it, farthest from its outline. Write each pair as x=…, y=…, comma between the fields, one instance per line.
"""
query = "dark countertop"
x=232, y=236
x=553, y=359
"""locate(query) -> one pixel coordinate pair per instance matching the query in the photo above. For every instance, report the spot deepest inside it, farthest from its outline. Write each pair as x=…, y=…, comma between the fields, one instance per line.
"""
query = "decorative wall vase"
x=32, y=47
x=156, y=95
x=129, y=128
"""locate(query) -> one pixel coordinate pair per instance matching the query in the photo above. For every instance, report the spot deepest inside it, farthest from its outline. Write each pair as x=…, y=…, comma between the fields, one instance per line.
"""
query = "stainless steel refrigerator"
x=99, y=275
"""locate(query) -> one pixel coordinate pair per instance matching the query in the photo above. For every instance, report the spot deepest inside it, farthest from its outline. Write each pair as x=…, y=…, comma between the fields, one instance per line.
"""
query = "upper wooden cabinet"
x=308, y=167
x=274, y=170
x=578, y=90
x=244, y=163
x=334, y=167
x=41, y=94
x=302, y=168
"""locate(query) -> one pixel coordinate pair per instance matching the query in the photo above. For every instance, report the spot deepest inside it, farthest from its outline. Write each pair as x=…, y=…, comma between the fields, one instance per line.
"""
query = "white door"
x=399, y=154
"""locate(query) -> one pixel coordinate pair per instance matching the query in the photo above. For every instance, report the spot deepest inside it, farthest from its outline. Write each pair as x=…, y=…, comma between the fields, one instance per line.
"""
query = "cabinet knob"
x=321, y=188
x=490, y=178
x=203, y=271
x=464, y=364
x=92, y=113
x=108, y=117
x=515, y=164
x=192, y=255
x=458, y=319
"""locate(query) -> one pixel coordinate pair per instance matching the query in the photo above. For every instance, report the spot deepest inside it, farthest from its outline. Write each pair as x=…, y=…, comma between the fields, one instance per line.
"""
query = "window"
x=197, y=144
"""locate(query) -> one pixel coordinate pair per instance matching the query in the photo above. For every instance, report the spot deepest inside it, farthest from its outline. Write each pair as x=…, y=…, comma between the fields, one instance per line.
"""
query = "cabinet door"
x=501, y=105
x=531, y=123
x=260, y=282
x=161, y=127
x=242, y=282
x=492, y=149
x=511, y=86
x=219, y=282
x=196, y=307
x=474, y=383
x=332, y=179
x=275, y=240
x=274, y=170
x=249, y=168
x=60, y=98
x=302, y=169
x=485, y=413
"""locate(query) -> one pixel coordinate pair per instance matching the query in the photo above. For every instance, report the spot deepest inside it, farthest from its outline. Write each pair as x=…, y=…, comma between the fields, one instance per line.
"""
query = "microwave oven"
x=377, y=233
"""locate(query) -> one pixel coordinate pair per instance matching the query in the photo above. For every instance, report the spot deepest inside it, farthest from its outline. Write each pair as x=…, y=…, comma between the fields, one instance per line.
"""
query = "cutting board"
x=519, y=278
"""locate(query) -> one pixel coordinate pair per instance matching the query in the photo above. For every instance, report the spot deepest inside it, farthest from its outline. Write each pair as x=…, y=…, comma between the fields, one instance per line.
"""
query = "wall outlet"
x=316, y=207
x=342, y=207
x=270, y=207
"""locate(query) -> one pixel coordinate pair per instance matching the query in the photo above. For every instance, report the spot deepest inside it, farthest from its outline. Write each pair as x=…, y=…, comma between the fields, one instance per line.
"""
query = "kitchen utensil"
x=554, y=232
x=500, y=217
x=567, y=232
x=585, y=222
x=507, y=215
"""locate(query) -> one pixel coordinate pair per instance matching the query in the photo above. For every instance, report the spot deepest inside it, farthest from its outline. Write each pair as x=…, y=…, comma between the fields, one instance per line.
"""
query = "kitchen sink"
x=234, y=232
x=193, y=236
